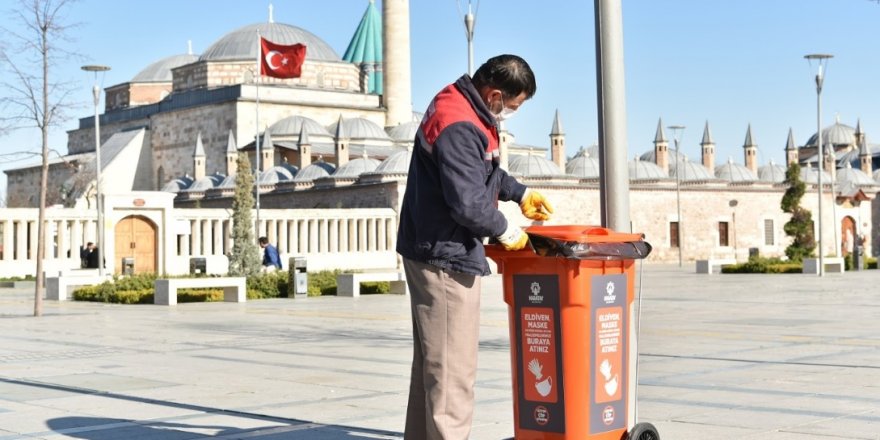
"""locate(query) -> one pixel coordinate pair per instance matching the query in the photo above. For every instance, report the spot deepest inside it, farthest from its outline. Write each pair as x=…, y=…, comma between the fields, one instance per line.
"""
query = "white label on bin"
x=608, y=355
x=540, y=398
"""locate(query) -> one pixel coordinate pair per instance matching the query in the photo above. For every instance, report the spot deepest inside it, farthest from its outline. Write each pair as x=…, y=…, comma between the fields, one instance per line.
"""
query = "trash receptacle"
x=299, y=277
x=128, y=265
x=198, y=266
x=857, y=257
x=570, y=310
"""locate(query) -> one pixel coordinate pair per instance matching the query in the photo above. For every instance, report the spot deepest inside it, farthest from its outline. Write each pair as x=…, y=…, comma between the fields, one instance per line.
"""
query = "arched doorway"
x=136, y=238
x=847, y=235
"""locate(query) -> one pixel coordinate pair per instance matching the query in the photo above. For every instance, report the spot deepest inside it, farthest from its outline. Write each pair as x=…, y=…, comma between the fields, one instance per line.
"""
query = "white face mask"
x=505, y=113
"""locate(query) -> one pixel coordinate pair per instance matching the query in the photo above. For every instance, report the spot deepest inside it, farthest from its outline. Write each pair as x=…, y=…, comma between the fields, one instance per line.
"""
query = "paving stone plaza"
x=770, y=357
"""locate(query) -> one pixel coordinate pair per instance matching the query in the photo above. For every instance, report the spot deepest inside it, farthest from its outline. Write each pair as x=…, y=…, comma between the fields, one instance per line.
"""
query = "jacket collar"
x=466, y=87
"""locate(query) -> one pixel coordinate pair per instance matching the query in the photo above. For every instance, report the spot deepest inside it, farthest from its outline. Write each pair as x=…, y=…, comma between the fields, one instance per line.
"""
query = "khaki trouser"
x=446, y=325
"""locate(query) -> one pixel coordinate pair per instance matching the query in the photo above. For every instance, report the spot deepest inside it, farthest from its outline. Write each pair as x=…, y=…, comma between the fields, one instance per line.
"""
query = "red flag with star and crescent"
x=280, y=61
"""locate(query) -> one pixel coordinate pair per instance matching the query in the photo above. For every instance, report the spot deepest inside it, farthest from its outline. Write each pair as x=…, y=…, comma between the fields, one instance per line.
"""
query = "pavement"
x=771, y=357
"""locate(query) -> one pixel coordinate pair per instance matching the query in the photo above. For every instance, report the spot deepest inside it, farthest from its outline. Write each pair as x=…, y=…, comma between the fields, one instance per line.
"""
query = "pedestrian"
x=92, y=256
x=452, y=192
x=84, y=255
x=271, y=260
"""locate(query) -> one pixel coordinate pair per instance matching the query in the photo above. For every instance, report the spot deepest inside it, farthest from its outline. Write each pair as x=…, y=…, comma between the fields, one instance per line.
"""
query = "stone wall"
x=23, y=185
x=315, y=74
x=135, y=94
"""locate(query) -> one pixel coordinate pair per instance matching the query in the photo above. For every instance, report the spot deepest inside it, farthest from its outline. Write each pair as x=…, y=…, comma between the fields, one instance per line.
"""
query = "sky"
x=731, y=63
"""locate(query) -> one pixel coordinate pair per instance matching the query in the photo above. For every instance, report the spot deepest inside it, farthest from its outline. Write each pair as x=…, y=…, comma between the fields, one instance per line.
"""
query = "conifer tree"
x=800, y=227
x=245, y=258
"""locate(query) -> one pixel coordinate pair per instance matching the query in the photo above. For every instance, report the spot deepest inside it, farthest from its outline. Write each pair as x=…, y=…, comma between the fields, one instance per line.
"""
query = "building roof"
x=583, y=165
x=404, y=132
x=241, y=44
x=734, y=172
x=314, y=171
x=160, y=71
x=691, y=171
x=356, y=167
x=292, y=125
x=811, y=175
x=360, y=128
x=532, y=166
x=366, y=47
x=178, y=184
x=771, y=173
x=836, y=134
x=275, y=174
x=853, y=176
x=206, y=183
x=397, y=163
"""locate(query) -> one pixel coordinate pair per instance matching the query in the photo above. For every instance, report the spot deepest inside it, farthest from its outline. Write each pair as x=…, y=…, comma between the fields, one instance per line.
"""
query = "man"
x=271, y=260
x=450, y=205
x=92, y=256
x=84, y=254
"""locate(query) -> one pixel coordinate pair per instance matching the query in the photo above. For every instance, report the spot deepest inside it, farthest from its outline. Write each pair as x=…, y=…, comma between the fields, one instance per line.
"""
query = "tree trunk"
x=44, y=178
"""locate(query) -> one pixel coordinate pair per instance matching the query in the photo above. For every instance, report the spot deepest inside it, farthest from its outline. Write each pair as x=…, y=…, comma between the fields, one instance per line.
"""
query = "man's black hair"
x=508, y=73
x=263, y=240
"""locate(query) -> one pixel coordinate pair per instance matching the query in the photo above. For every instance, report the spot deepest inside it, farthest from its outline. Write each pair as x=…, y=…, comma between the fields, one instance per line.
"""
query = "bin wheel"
x=643, y=431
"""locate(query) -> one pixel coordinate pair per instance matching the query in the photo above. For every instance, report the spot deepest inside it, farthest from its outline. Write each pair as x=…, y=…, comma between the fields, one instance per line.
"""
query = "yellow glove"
x=513, y=239
x=535, y=206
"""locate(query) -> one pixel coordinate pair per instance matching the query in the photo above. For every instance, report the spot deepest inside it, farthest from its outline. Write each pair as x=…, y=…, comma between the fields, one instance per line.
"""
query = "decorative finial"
x=271, y=18
x=189, y=47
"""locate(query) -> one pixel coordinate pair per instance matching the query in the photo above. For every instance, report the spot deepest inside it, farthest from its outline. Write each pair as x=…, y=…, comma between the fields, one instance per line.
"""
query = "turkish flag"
x=280, y=61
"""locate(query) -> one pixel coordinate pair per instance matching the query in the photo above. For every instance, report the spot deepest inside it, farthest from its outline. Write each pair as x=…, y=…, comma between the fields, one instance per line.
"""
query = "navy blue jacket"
x=270, y=256
x=454, y=184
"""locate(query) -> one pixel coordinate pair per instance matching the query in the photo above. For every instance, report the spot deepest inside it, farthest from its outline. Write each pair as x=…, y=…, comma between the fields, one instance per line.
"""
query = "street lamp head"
x=676, y=131
x=818, y=56
x=95, y=68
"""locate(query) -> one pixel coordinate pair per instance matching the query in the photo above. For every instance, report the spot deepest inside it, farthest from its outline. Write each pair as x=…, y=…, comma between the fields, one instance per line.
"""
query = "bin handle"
x=596, y=230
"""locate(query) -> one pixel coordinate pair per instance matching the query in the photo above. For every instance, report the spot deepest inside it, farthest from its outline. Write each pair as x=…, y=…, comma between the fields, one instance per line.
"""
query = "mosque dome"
x=360, y=128
x=160, y=71
x=734, y=172
x=356, y=167
x=811, y=175
x=241, y=44
x=876, y=176
x=314, y=171
x=836, y=134
x=228, y=182
x=292, y=125
x=583, y=166
x=644, y=170
x=528, y=165
x=691, y=172
x=397, y=163
x=771, y=173
x=853, y=177
x=207, y=182
x=274, y=175
x=405, y=132
x=650, y=156
x=178, y=184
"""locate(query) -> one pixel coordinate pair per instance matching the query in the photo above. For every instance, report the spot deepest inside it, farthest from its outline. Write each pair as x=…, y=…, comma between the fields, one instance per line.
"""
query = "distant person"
x=271, y=260
x=92, y=256
x=450, y=205
x=84, y=254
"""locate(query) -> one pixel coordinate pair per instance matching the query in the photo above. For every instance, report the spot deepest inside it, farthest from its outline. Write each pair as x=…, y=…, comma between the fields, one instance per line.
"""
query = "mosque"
x=340, y=137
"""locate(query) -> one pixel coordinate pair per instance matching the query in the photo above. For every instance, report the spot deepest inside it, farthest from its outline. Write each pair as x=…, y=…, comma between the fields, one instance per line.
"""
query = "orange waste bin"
x=570, y=310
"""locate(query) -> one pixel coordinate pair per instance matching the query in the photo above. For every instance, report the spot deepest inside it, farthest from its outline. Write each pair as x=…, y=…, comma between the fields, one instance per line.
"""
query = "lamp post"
x=821, y=59
x=676, y=135
x=470, y=21
x=732, y=205
x=96, y=92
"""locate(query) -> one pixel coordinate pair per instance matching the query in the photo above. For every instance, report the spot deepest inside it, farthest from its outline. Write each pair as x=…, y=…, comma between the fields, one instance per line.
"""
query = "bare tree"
x=33, y=100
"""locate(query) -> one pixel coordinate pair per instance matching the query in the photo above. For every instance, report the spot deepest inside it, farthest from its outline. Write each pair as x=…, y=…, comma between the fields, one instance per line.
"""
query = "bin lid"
x=586, y=243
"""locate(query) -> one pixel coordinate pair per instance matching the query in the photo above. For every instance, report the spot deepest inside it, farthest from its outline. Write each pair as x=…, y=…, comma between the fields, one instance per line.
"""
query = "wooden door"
x=136, y=237
x=847, y=235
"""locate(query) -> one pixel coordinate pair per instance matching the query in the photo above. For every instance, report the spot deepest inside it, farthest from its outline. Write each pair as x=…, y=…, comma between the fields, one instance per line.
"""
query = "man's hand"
x=513, y=239
x=535, y=206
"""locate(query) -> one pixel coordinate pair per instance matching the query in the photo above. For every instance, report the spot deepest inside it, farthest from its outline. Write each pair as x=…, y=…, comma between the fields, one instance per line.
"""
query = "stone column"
x=8, y=241
x=362, y=235
x=343, y=234
x=282, y=237
x=313, y=236
x=76, y=237
x=371, y=234
x=197, y=238
x=381, y=240
x=32, y=244
x=218, y=237
x=303, y=236
x=293, y=236
x=184, y=243
x=334, y=235
x=21, y=240
x=61, y=241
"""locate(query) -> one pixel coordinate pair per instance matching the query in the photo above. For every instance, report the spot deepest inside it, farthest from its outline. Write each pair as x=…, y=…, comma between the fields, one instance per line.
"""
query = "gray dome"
x=291, y=126
x=404, y=132
x=651, y=157
x=528, y=165
x=314, y=171
x=274, y=175
x=771, y=173
x=241, y=44
x=160, y=71
x=360, y=128
x=178, y=184
x=644, y=170
x=876, y=175
x=837, y=134
x=207, y=182
x=853, y=176
x=228, y=182
x=811, y=175
x=691, y=172
x=397, y=163
x=734, y=172
x=583, y=166
x=356, y=167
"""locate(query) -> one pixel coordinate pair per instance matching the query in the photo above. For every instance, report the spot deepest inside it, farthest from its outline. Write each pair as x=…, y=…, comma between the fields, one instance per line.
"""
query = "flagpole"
x=257, y=73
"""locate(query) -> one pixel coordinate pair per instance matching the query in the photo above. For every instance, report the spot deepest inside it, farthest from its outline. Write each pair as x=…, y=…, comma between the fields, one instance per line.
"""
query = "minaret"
x=396, y=62
x=557, y=142
x=791, y=152
x=305, y=148
x=199, y=159
x=708, y=148
x=504, y=141
x=267, y=151
x=231, y=155
x=865, y=156
x=661, y=148
x=341, y=145
x=860, y=135
x=750, y=150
